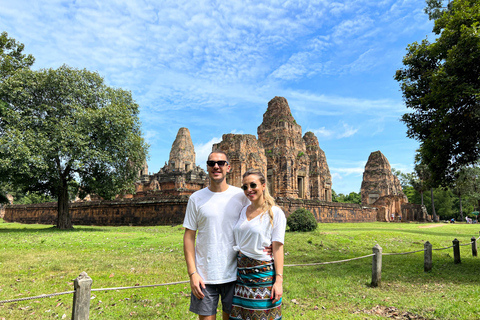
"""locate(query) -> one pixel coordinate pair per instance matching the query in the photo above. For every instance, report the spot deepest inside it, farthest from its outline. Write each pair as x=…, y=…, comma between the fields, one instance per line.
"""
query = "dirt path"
x=434, y=225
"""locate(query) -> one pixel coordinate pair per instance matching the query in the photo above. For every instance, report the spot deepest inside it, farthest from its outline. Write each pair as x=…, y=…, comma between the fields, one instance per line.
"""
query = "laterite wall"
x=169, y=211
x=138, y=212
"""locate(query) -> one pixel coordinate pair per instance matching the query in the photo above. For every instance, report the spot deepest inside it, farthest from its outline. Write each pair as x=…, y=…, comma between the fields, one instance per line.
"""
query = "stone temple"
x=382, y=189
x=295, y=166
x=179, y=177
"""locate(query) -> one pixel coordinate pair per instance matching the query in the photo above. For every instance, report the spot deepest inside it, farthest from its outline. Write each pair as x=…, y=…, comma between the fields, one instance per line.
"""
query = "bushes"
x=301, y=220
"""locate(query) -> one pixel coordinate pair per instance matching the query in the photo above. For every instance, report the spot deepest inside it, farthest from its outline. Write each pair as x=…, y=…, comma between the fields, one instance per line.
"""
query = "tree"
x=461, y=186
x=64, y=128
x=469, y=177
x=11, y=57
x=403, y=178
x=440, y=84
x=444, y=201
x=352, y=197
x=435, y=8
x=425, y=180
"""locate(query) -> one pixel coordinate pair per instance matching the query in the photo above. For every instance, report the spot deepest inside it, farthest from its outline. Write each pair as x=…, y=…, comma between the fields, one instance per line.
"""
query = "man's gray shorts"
x=208, y=305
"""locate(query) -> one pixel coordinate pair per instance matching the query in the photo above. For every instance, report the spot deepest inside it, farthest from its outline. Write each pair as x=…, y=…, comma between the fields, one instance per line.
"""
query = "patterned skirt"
x=253, y=291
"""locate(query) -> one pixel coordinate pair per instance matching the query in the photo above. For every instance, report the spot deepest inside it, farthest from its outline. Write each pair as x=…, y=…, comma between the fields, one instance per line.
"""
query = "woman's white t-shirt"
x=251, y=237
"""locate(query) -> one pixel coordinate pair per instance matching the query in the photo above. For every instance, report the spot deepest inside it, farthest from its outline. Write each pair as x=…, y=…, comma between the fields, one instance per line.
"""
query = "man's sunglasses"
x=253, y=185
x=220, y=163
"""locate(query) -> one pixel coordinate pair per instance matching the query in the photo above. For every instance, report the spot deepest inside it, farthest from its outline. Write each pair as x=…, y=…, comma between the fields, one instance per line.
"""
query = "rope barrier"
x=37, y=297
x=466, y=244
x=145, y=286
x=398, y=253
x=443, y=248
x=330, y=262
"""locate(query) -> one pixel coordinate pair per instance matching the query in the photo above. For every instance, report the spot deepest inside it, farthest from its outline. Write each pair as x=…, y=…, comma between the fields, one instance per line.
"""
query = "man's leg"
x=206, y=308
x=227, y=291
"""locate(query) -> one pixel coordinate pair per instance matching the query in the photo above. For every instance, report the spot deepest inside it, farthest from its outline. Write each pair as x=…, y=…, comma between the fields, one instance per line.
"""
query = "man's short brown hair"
x=221, y=152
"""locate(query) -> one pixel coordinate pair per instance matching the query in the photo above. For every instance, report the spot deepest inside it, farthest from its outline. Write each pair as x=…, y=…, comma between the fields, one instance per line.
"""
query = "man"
x=211, y=265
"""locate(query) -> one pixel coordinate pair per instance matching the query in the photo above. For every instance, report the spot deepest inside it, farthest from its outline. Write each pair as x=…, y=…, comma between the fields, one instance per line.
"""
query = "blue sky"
x=212, y=66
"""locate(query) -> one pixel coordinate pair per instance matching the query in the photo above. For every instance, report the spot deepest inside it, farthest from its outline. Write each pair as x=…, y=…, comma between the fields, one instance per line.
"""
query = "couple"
x=235, y=228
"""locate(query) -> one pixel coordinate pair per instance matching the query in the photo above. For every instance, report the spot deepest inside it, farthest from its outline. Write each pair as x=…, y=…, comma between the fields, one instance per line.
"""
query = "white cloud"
x=323, y=132
x=348, y=131
x=187, y=61
x=342, y=130
x=348, y=171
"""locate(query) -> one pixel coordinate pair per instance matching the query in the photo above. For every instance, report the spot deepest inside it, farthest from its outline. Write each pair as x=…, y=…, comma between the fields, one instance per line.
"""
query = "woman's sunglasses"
x=220, y=163
x=253, y=185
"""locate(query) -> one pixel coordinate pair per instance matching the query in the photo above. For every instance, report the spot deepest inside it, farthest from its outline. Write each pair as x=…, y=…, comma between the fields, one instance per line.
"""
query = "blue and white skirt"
x=253, y=291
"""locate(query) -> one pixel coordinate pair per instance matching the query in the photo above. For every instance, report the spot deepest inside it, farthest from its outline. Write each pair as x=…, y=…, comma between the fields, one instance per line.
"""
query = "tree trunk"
x=421, y=196
x=461, y=209
x=435, y=218
x=64, y=218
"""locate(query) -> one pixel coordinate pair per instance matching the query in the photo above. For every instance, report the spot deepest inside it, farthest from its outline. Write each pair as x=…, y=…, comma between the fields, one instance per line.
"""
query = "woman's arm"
x=277, y=289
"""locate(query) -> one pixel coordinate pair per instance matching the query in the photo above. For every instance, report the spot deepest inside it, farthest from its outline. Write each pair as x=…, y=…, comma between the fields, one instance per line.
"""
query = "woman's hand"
x=277, y=290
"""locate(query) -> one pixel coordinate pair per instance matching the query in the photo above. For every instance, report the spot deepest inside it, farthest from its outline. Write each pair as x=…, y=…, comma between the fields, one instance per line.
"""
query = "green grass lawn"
x=38, y=259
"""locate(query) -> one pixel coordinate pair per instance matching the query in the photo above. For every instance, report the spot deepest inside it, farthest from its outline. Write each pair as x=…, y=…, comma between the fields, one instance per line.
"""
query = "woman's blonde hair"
x=269, y=201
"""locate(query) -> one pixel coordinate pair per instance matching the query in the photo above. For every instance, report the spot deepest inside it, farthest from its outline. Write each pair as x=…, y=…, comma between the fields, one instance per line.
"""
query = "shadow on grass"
x=51, y=229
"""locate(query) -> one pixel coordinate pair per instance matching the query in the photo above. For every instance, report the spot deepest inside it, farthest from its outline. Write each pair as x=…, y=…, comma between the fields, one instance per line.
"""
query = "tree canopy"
x=12, y=57
x=65, y=129
x=440, y=83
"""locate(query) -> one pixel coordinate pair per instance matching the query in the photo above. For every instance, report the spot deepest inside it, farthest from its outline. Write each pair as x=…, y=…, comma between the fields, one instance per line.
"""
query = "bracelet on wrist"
x=279, y=275
x=191, y=274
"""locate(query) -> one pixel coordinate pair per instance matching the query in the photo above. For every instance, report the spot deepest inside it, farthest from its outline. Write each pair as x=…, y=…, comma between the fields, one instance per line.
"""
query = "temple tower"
x=244, y=152
x=182, y=154
x=319, y=173
x=281, y=136
x=378, y=179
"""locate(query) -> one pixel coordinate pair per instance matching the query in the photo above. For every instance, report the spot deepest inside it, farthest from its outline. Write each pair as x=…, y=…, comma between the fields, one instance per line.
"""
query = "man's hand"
x=268, y=250
x=196, y=285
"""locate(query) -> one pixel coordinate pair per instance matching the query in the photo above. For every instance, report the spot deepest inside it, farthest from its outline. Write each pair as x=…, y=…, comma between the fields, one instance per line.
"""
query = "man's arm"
x=196, y=282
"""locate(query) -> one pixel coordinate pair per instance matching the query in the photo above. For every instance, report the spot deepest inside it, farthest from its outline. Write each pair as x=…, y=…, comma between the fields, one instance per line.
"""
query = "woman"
x=258, y=291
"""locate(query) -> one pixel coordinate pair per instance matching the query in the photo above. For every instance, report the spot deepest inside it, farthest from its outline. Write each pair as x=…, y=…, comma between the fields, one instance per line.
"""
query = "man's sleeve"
x=190, y=220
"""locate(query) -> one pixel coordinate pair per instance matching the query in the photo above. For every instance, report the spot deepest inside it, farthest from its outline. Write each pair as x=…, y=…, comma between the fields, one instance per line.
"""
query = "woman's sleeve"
x=279, y=225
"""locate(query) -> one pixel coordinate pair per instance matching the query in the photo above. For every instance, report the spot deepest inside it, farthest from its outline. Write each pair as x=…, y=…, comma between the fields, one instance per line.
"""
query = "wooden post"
x=456, y=251
x=427, y=264
x=376, y=266
x=474, y=246
x=81, y=297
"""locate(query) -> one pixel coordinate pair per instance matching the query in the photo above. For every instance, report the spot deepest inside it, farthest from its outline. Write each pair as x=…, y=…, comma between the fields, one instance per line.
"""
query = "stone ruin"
x=181, y=176
x=378, y=180
x=295, y=166
x=381, y=189
x=296, y=169
x=2, y=206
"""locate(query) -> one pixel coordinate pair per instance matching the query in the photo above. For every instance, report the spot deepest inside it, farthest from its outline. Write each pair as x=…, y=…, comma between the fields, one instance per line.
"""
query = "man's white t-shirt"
x=251, y=237
x=213, y=215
